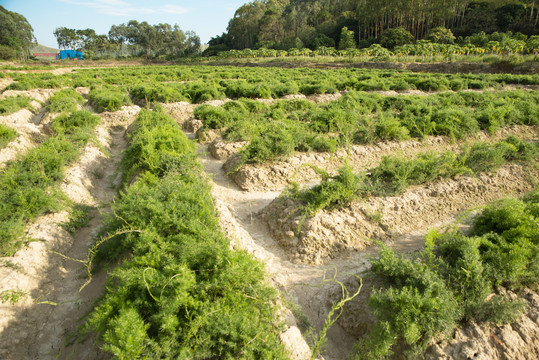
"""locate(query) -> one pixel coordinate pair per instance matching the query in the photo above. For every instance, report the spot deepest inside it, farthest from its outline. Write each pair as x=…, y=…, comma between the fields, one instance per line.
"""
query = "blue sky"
x=206, y=17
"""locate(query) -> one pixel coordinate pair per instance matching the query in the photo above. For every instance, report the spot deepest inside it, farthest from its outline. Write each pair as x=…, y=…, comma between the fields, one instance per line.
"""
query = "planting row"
x=395, y=174
x=424, y=48
x=276, y=131
x=181, y=292
x=177, y=83
x=29, y=186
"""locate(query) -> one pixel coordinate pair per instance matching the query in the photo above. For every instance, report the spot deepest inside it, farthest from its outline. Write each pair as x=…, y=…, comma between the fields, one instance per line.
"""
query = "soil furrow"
x=300, y=284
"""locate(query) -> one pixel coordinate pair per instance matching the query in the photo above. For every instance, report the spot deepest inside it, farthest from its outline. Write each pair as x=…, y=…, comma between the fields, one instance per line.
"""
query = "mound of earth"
x=298, y=168
x=221, y=150
x=41, y=95
x=518, y=340
x=181, y=111
x=313, y=239
x=23, y=122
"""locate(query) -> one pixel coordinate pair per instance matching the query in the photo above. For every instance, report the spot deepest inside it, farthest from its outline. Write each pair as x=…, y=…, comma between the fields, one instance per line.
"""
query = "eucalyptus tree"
x=16, y=33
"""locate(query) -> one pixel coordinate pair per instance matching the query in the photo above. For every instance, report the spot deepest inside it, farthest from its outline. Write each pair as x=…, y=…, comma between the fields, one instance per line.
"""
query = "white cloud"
x=112, y=7
x=173, y=9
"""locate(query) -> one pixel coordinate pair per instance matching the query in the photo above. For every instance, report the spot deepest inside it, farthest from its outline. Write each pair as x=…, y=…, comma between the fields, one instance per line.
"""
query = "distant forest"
x=131, y=39
x=284, y=24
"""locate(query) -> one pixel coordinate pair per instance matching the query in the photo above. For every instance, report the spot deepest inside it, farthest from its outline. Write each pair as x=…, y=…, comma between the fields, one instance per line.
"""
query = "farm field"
x=235, y=212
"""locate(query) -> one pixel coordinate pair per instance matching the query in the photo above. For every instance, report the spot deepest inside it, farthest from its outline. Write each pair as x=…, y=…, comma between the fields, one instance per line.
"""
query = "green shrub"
x=7, y=53
x=451, y=281
x=275, y=141
x=441, y=35
x=182, y=293
x=65, y=100
x=156, y=148
x=108, y=98
x=7, y=135
x=12, y=104
x=398, y=36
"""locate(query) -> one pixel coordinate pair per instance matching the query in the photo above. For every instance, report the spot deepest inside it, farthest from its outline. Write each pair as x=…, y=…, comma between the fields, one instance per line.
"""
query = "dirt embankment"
x=298, y=168
x=518, y=340
x=43, y=321
x=5, y=82
x=314, y=239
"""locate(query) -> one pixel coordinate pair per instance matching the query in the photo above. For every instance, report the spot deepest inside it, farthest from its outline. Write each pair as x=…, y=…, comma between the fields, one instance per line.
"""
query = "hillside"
x=42, y=49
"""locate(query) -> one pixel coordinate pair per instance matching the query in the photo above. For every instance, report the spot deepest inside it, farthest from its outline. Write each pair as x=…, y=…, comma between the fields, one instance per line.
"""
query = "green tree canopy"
x=347, y=39
x=441, y=35
x=16, y=33
x=395, y=37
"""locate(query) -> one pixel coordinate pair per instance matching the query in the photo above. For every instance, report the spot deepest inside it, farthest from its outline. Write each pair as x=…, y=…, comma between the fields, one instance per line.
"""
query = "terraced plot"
x=243, y=244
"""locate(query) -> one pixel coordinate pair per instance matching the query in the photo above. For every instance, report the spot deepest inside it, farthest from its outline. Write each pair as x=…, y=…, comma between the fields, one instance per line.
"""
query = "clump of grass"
x=13, y=104
x=65, y=100
x=7, y=135
x=108, y=98
x=157, y=93
x=79, y=217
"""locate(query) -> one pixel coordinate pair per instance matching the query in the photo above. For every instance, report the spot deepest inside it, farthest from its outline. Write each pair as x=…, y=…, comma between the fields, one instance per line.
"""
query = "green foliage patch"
x=108, y=98
x=65, y=100
x=182, y=293
x=454, y=280
x=7, y=135
x=28, y=186
x=12, y=104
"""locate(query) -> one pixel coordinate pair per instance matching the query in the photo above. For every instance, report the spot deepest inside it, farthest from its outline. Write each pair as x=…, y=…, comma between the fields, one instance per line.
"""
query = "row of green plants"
x=424, y=48
x=65, y=100
x=108, y=98
x=199, y=83
x=179, y=291
x=12, y=104
x=29, y=187
x=7, y=135
x=455, y=280
x=395, y=174
x=277, y=131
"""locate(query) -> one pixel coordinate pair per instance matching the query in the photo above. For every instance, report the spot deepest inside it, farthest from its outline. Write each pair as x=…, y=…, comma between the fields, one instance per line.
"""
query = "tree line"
x=16, y=36
x=131, y=39
x=285, y=24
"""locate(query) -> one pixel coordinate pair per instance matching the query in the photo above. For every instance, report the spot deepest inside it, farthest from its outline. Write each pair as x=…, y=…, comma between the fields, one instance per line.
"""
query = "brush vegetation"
x=108, y=98
x=12, y=104
x=65, y=100
x=7, y=135
x=180, y=292
x=455, y=280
